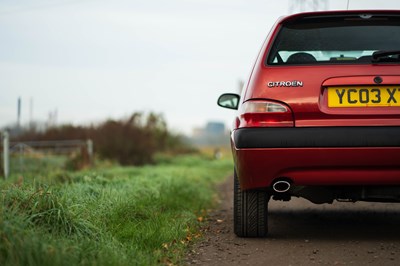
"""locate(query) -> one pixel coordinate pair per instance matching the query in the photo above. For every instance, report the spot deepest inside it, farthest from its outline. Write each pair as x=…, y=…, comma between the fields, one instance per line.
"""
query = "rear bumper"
x=317, y=156
x=319, y=137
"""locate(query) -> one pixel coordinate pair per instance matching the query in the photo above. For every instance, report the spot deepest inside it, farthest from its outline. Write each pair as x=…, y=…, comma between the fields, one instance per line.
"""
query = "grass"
x=112, y=216
x=34, y=165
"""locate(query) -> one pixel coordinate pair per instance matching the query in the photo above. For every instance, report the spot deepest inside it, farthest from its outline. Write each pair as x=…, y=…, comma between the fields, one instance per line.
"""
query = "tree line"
x=131, y=141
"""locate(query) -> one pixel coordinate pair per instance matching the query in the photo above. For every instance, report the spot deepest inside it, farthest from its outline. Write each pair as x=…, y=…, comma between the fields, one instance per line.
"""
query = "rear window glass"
x=342, y=39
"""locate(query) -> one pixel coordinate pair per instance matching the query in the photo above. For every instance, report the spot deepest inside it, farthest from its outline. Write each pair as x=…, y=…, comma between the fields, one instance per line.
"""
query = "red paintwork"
x=319, y=166
x=257, y=168
x=308, y=103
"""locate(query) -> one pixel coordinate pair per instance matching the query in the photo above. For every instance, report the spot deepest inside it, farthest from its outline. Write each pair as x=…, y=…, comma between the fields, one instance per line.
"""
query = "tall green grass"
x=115, y=216
x=35, y=165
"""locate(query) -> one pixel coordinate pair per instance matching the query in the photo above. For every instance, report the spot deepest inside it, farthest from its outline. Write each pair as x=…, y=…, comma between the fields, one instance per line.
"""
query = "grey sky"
x=99, y=59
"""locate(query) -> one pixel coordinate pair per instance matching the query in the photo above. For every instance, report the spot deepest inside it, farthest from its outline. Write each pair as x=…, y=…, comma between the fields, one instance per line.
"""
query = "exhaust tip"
x=281, y=186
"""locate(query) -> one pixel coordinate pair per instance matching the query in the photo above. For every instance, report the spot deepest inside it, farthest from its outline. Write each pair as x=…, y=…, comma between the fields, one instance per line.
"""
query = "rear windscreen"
x=349, y=39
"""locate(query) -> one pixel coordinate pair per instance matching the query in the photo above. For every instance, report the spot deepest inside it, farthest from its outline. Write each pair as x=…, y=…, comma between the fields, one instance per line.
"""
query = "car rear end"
x=320, y=115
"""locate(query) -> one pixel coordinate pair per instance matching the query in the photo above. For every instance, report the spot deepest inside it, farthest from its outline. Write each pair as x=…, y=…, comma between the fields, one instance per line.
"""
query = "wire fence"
x=20, y=157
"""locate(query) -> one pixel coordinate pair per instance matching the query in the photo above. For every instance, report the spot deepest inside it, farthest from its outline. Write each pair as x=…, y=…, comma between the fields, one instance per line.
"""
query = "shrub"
x=132, y=141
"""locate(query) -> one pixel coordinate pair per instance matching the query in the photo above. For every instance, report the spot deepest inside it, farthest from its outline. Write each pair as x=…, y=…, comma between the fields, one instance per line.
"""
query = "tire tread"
x=250, y=211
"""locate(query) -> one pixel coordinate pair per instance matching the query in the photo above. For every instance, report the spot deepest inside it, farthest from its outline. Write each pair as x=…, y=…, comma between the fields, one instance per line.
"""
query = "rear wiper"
x=383, y=56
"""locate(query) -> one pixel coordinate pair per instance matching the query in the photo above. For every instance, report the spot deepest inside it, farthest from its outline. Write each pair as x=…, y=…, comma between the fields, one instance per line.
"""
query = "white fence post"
x=6, y=154
x=89, y=146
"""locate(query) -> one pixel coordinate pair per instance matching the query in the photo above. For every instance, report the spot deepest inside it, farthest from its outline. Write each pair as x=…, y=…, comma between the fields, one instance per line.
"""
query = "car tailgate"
x=305, y=90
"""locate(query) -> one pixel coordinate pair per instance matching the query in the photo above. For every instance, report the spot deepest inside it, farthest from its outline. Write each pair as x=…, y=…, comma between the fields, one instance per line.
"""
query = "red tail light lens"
x=265, y=114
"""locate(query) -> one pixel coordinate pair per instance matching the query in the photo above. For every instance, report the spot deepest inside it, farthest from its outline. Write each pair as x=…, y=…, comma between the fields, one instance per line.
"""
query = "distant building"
x=215, y=128
x=213, y=134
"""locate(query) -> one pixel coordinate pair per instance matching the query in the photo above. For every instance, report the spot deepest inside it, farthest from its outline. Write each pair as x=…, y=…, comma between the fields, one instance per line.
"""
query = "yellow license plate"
x=368, y=96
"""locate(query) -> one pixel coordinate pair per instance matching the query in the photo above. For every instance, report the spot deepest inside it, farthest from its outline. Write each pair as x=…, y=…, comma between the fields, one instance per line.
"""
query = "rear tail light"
x=264, y=114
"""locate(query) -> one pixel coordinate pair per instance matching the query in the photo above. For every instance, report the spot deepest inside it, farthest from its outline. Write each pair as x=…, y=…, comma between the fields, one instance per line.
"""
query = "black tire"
x=250, y=210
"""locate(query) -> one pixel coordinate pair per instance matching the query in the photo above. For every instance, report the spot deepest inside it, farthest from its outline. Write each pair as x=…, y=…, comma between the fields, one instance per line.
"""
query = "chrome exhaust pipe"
x=281, y=186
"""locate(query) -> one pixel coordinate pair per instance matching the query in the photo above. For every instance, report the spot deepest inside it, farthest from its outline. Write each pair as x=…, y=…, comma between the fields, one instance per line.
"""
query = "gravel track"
x=302, y=233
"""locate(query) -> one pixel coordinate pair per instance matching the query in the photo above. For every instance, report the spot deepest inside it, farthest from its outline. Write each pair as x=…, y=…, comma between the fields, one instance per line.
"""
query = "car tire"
x=250, y=210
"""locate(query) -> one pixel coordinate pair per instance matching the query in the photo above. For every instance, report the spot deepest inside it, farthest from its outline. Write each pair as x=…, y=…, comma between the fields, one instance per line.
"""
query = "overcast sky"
x=97, y=59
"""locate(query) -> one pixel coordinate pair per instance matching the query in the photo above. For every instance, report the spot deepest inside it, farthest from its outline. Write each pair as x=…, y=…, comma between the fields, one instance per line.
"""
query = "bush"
x=132, y=141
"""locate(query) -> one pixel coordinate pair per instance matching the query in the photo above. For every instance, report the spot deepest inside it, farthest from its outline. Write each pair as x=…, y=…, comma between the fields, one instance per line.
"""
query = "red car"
x=319, y=116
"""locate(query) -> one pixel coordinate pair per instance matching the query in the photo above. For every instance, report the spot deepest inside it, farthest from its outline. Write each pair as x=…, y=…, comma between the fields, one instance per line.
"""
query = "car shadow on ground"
x=341, y=221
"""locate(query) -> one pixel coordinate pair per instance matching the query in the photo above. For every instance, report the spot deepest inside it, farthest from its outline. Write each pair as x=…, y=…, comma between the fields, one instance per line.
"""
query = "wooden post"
x=89, y=146
x=6, y=154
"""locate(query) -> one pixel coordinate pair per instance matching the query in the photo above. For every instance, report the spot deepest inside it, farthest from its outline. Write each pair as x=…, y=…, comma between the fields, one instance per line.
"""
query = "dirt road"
x=302, y=233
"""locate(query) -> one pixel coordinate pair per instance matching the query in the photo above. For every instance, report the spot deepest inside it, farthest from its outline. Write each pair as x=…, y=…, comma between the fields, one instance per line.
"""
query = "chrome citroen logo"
x=289, y=83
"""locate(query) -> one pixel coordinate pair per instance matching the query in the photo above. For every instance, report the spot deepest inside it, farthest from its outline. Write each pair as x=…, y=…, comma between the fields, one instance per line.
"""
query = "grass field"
x=109, y=216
